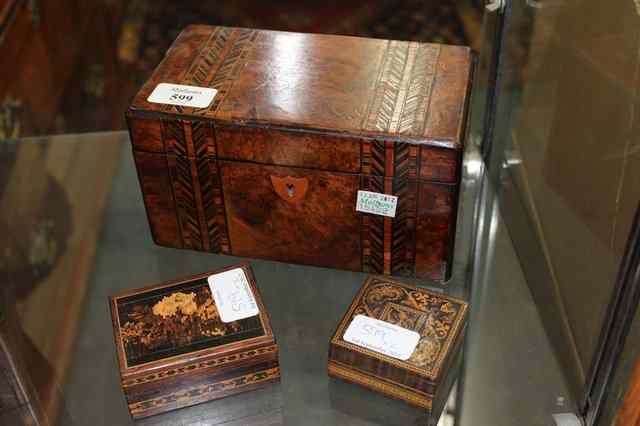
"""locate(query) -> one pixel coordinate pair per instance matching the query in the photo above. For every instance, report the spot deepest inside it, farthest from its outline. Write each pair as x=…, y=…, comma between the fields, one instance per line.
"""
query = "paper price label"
x=233, y=296
x=180, y=94
x=376, y=203
x=382, y=337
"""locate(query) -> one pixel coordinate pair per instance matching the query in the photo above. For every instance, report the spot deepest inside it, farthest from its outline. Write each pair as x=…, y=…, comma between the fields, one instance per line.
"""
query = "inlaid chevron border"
x=196, y=185
x=234, y=59
x=415, y=104
x=373, y=233
x=373, y=157
x=403, y=89
x=399, y=105
x=205, y=65
x=216, y=64
x=403, y=226
x=388, y=244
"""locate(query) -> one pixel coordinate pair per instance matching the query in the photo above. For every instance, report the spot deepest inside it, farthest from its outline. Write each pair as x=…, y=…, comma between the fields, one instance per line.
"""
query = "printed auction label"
x=180, y=94
x=382, y=337
x=377, y=203
x=233, y=296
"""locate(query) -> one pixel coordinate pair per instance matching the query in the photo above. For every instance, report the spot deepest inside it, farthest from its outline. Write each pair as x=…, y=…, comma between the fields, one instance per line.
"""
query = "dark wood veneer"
x=438, y=319
x=228, y=362
x=300, y=124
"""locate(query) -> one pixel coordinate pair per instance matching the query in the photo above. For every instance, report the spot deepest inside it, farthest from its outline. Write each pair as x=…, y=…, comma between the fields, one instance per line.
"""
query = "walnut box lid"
x=409, y=91
x=439, y=322
x=177, y=344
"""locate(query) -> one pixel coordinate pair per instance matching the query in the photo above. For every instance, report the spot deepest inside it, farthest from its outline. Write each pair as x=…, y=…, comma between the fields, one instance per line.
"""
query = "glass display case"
x=546, y=246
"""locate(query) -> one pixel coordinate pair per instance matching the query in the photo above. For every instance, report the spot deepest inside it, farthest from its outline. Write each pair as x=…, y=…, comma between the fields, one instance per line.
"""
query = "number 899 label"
x=179, y=94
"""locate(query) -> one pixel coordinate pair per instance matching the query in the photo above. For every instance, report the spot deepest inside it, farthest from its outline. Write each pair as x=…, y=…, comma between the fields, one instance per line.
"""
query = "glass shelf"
x=78, y=233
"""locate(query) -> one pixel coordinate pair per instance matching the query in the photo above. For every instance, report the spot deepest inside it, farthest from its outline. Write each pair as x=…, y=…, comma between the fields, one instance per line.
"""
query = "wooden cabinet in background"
x=44, y=47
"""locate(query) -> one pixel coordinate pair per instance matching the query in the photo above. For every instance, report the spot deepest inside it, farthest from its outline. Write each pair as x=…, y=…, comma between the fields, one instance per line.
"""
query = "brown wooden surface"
x=434, y=404
x=195, y=200
x=341, y=113
x=38, y=59
x=439, y=319
x=629, y=413
x=158, y=197
x=316, y=225
x=313, y=81
x=316, y=230
x=378, y=384
x=440, y=165
x=302, y=149
x=193, y=377
x=207, y=392
x=435, y=228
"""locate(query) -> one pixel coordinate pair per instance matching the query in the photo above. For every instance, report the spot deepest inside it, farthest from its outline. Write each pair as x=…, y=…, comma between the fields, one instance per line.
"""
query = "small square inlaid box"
x=437, y=323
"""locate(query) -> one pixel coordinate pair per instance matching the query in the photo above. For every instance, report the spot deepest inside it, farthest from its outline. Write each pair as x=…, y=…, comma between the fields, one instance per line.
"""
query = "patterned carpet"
x=153, y=27
x=123, y=41
x=140, y=32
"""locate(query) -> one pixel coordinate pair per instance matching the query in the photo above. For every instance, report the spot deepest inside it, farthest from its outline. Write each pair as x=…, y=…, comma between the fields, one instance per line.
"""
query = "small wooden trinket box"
x=401, y=341
x=179, y=344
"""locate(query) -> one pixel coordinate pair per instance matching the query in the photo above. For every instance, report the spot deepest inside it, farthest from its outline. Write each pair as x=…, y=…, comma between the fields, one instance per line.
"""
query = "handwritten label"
x=233, y=296
x=383, y=337
x=180, y=94
x=376, y=203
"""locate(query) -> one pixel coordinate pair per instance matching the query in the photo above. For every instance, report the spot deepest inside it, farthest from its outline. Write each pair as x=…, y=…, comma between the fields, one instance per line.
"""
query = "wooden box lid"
x=438, y=319
x=394, y=90
x=177, y=324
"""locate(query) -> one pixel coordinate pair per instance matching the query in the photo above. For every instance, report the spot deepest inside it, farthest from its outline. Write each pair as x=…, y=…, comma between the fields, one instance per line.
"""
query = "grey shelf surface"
x=509, y=376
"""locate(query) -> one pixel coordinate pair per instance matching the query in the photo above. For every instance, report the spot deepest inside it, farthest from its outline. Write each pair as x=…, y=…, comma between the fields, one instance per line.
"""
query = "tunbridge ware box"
x=192, y=340
x=401, y=341
x=324, y=150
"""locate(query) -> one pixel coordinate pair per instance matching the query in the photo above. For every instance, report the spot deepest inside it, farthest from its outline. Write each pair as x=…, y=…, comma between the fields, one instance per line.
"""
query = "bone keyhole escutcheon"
x=290, y=189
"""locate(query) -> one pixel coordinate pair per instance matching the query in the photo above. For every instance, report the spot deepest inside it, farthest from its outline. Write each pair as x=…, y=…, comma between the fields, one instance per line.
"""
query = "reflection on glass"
x=568, y=143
